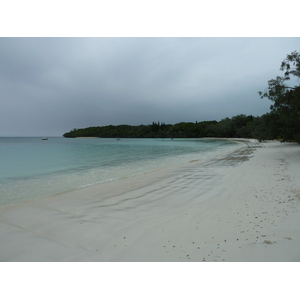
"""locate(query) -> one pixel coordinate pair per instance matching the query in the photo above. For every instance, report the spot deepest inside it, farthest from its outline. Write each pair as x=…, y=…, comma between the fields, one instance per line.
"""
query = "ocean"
x=32, y=168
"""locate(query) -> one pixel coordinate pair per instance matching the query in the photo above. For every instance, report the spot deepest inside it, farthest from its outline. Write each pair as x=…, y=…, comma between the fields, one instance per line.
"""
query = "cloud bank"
x=52, y=85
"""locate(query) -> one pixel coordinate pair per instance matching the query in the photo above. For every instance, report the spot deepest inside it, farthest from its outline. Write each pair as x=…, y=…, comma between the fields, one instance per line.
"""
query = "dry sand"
x=242, y=206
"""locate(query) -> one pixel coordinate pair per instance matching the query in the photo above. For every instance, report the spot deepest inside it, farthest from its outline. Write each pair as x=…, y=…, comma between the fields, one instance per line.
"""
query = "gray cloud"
x=52, y=85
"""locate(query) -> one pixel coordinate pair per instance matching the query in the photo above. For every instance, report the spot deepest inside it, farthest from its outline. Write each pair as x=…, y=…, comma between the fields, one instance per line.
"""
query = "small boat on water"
x=44, y=138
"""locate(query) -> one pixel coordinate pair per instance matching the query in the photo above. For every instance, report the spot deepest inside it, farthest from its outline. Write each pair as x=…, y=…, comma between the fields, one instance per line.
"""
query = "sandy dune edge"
x=243, y=206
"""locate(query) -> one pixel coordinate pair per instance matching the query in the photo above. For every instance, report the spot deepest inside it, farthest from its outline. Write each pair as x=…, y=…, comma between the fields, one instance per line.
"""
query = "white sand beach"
x=242, y=206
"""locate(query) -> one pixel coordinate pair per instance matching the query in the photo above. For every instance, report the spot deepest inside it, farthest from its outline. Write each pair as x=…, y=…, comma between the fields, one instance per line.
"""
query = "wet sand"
x=241, y=206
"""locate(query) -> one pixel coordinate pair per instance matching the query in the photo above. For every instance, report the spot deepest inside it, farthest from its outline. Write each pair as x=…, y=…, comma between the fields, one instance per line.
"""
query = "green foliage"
x=266, y=127
x=286, y=99
x=238, y=126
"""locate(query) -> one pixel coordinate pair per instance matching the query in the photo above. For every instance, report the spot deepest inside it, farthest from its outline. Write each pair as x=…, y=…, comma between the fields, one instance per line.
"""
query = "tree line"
x=282, y=122
x=238, y=126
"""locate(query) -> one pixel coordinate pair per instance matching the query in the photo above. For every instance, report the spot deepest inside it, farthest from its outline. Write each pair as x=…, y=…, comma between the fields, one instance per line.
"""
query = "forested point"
x=239, y=126
x=282, y=122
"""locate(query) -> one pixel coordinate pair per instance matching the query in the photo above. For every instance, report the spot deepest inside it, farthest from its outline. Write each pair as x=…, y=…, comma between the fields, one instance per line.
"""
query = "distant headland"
x=238, y=126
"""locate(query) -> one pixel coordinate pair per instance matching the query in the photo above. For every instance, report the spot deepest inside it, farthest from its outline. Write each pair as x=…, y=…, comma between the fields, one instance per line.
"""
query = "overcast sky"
x=49, y=86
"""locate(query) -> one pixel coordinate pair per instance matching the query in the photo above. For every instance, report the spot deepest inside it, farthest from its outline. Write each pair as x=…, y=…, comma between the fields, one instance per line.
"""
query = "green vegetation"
x=282, y=122
x=284, y=118
x=239, y=126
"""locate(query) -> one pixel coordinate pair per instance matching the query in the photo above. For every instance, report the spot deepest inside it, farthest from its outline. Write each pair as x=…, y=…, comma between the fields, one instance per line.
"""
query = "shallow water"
x=31, y=168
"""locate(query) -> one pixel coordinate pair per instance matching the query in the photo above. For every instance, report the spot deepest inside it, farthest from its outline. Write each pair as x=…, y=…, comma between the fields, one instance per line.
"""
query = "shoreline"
x=93, y=182
x=240, y=206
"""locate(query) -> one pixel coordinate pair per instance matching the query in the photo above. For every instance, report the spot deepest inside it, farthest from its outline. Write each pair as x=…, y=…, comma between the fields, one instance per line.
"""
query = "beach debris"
x=268, y=242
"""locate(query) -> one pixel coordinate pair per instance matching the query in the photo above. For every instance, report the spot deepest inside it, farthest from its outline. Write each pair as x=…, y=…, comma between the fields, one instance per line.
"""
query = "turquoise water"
x=31, y=168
